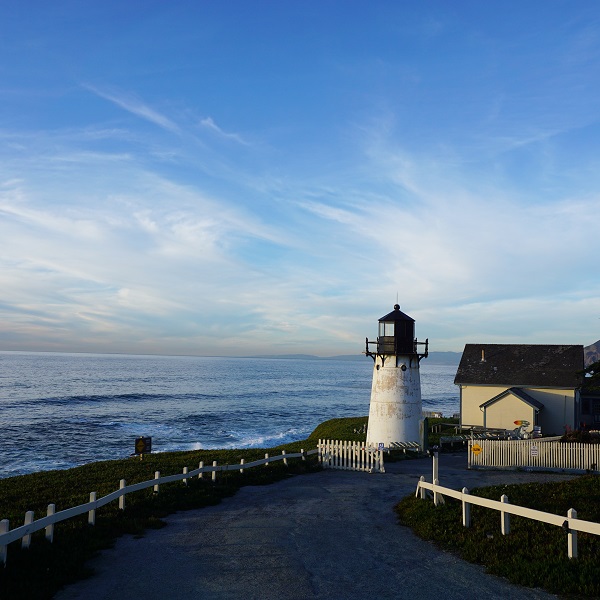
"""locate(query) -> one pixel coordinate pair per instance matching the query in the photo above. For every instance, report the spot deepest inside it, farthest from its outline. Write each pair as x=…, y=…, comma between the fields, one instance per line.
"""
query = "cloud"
x=135, y=106
x=208, y=123
x=121, y=241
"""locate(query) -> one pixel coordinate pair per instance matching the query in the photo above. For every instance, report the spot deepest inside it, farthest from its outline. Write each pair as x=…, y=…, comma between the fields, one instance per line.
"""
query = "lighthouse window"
x=386, y=329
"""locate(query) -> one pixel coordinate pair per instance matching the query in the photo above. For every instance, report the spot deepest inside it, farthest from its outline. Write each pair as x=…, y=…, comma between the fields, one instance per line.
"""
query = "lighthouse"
x=395, y=412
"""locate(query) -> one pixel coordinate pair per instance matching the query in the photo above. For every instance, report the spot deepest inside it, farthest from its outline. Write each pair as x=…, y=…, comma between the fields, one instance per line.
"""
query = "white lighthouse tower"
x=395, y=412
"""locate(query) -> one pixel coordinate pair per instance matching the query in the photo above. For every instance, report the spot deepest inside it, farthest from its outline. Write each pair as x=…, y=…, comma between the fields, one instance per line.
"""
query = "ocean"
x=61, y=410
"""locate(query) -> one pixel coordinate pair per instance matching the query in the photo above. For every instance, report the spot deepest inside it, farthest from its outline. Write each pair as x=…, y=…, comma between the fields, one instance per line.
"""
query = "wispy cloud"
x=287, y=214
x=208, y=123
x=135, y=106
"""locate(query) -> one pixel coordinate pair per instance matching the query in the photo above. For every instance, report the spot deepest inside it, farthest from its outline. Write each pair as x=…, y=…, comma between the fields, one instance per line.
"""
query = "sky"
x=268, y=177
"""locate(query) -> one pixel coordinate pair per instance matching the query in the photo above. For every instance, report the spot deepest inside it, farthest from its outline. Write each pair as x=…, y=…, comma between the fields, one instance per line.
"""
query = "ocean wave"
x=93, y=408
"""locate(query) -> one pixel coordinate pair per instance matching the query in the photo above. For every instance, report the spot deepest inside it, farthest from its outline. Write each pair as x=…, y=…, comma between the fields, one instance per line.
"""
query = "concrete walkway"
x=328, y=535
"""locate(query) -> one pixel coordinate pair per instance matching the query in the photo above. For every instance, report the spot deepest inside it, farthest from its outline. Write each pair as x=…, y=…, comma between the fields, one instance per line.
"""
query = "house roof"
x=527, y=365
x=519, y=393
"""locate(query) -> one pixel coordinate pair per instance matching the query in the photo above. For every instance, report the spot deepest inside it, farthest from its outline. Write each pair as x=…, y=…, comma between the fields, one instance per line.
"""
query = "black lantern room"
x=397, y=336
x=396, y=333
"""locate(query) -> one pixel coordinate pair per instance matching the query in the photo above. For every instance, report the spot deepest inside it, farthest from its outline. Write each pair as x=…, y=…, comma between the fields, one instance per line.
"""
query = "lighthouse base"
x=395, y=411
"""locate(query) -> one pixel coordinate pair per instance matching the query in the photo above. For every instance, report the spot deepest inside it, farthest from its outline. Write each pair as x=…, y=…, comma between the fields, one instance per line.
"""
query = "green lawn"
x=533, y=554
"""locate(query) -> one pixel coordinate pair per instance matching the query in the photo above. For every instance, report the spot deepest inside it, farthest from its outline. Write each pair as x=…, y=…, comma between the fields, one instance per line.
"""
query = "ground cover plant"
x=352, y=429
x=533, y=554
x=355, y=429
x=43, y=568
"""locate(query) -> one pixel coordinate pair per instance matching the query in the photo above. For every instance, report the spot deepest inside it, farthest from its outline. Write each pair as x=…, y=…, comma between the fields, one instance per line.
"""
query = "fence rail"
x=30, y=526
x=570, y=523
x=541, y=453
x=351, y=456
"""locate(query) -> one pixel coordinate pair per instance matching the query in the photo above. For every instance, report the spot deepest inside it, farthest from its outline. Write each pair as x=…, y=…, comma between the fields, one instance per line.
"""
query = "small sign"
x=533, y=450
x=143, y=445
x=476, y=449
x=381, y=446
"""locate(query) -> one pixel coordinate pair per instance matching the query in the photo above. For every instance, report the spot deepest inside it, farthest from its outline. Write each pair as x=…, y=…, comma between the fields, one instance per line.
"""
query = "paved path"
x=329, y=535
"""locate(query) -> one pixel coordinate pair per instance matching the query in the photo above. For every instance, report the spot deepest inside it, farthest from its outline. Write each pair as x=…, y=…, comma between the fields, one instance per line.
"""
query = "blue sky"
x=243, y=177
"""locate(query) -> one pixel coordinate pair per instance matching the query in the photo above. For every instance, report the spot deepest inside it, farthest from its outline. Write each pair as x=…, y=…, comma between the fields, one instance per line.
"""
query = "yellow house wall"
x=472, y=396
x=504, y=413
x=558, y=404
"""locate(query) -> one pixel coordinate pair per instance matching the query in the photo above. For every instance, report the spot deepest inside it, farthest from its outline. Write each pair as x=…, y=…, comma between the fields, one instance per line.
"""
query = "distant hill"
x=434, y=358
x=444, y=358
x=592, y=353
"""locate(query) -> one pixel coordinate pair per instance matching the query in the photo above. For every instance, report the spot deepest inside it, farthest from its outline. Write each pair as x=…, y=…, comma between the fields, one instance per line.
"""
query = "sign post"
x=143, y=445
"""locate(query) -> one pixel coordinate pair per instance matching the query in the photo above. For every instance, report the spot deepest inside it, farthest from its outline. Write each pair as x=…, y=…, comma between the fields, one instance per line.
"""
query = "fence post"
x=361, y=458
x=302, y=452
x=344, y=455
x=4, y=528
x=214, y=473
x=466, y=509
x=284, y=458
x=420, y=493
x=26, y=539
x=156, y=487
x=437, y=497
x=572, y=535
x=267, y=459
x=242, y=462
x=50, y=528
x=201, y=466
x=504, y=517
x=185, y=472
x=92, y=513
x=122, y=497
x=435, y=458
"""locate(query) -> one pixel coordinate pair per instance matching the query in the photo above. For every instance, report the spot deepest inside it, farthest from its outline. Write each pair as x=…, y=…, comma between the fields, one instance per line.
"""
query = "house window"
x=586, y=406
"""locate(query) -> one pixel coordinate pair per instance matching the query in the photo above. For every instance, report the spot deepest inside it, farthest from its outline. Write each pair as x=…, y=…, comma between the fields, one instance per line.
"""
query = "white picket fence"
x=570, y=523
x=52, y=517
x=541, y=453
x=350, y=456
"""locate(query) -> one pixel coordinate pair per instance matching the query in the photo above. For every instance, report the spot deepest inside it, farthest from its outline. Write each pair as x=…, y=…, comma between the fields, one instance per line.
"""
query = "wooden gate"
x=350, y=456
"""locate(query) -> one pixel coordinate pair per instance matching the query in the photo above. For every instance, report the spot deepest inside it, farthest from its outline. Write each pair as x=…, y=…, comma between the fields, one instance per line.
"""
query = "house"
x=504, y=383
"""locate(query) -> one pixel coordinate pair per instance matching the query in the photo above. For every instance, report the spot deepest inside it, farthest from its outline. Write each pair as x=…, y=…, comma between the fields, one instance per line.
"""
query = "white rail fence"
x=570, y=523
x=541, y=453
x=52, y=517
x=350, y=456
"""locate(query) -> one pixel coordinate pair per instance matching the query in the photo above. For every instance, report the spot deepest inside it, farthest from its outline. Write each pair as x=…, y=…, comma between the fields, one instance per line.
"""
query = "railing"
x=541, y=453
x=52, y=517
x=570, y=523
x=413, y=446
x=352, y=456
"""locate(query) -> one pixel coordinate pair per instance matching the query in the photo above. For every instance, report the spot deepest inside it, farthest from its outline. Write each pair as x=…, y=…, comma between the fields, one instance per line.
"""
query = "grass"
x=352, y=429
x=533, y=554
x=44, y=568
